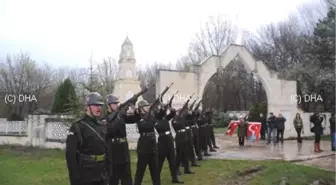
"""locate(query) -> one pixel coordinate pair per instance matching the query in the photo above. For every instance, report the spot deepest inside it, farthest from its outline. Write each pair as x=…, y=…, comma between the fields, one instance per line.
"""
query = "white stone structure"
x=127, y=84
x=279, y=92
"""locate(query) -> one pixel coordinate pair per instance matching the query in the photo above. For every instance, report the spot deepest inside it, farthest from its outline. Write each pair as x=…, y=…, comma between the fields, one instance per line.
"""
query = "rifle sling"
x=99, y=136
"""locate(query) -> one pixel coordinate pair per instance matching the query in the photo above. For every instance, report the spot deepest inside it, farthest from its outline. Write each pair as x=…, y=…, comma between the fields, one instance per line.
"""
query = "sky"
x=66, y=32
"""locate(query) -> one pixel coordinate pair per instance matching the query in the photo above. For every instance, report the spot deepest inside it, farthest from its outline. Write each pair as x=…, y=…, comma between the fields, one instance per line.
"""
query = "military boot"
x=178, y=172
x=175, y=180
x=207, y=154
x=193, y=163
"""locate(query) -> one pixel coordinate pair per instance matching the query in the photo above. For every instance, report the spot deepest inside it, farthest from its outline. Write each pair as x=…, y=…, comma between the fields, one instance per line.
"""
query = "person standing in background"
x=263, y=130
x=332, y=131
x=317, y=129
x=241, y=131
x=298, y=125
x=280, y=125
x=271, y=128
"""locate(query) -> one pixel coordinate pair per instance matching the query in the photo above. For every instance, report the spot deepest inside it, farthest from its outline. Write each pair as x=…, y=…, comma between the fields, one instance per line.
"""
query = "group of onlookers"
x=273, y=128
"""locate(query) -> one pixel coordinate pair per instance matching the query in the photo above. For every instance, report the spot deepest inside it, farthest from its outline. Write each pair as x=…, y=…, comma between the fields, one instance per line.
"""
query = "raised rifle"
x=170, y=102
x=197, y=106
x=192, y=104
x=158, y=100
x=122, y=107
x=185, y=105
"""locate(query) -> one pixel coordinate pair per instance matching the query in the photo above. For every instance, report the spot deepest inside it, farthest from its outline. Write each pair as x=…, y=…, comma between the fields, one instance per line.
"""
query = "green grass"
x=29, y=166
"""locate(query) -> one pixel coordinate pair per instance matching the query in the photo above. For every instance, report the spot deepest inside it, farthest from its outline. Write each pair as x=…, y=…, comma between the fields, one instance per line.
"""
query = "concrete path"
x=289, y=151
x=326, y=163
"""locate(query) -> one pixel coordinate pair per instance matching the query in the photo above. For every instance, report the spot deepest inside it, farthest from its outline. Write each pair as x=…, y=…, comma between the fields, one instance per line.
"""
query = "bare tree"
x=20, y=75
x=148, y=76
x=107, y=73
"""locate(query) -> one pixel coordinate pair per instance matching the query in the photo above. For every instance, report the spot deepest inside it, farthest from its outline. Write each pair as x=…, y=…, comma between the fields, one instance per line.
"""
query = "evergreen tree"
x=324, y=40
x=65, y=100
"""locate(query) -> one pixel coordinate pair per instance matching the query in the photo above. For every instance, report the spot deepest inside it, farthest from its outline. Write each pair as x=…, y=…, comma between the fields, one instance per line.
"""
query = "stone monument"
x=127, y=83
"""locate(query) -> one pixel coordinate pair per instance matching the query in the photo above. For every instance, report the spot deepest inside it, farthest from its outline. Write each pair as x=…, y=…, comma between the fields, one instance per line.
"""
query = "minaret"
x=127, y=83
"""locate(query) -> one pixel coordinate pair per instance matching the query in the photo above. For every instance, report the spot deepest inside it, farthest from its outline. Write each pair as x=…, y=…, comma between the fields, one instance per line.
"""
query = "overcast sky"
x=64, y=32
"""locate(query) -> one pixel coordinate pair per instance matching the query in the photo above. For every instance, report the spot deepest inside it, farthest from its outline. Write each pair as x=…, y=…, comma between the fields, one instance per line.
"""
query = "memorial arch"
x=279, y=92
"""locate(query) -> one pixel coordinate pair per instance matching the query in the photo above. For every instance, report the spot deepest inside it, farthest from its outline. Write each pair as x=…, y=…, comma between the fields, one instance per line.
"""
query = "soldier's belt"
x=148, y=134
x=187, y=127
x=94, y=157
x=121, y=140
x=182, y=130
x=194, y=126
x=165, y=133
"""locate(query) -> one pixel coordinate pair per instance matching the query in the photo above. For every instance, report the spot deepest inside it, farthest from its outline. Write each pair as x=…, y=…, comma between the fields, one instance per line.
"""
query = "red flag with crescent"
x=253, y=131
x=232, y=126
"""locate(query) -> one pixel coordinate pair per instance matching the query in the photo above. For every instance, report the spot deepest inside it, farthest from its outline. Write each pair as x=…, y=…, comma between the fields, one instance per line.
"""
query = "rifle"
x=127, y=103
x=158, y=99
x=192, y=104
x=169, y=104
x=185, y=106
x=197, y=106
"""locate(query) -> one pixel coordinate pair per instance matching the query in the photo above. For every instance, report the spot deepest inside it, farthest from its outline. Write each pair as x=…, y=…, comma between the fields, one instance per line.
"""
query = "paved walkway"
x=289, y=151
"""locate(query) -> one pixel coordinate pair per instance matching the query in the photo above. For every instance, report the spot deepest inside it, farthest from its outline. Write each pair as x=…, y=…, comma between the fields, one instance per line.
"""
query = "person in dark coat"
x=85, y=146
x=263, y=129
x=280, y=125
x=166, y=147
x=332, y=131
x=181, y=140
x=147, y=148
x=271, y=128
x=298, y=125
x=119, y=162
x=241, y=131
x=316, y=119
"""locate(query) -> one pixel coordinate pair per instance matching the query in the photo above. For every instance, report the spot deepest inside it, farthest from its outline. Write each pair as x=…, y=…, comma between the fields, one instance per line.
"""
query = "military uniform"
x=85, y=149
x=210, y=132
x=203, y=133
x=146, y=148
x=166, y=147
x=190, y=144
x=119, y=162
x=181, y=141
x=195, y=132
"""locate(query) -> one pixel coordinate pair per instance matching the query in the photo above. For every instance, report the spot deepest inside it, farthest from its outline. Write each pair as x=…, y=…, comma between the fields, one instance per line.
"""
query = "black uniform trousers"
x=204, y=139
x=212, y=137
x=121, y=172
x=190, y=147
x=150, y=159
x=167, y=150
x=182, y=155
x=196, y=144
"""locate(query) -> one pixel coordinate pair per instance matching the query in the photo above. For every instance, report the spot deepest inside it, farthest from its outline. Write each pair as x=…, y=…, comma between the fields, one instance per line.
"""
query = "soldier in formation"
x=146, y=148
x=85, y=146
x=166, y=147
x=119, y=163
x=98, y=153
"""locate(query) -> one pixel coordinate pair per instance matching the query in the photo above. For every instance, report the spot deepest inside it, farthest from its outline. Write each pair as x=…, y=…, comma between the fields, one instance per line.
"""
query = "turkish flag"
x=253, y=131
x=232, y=126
